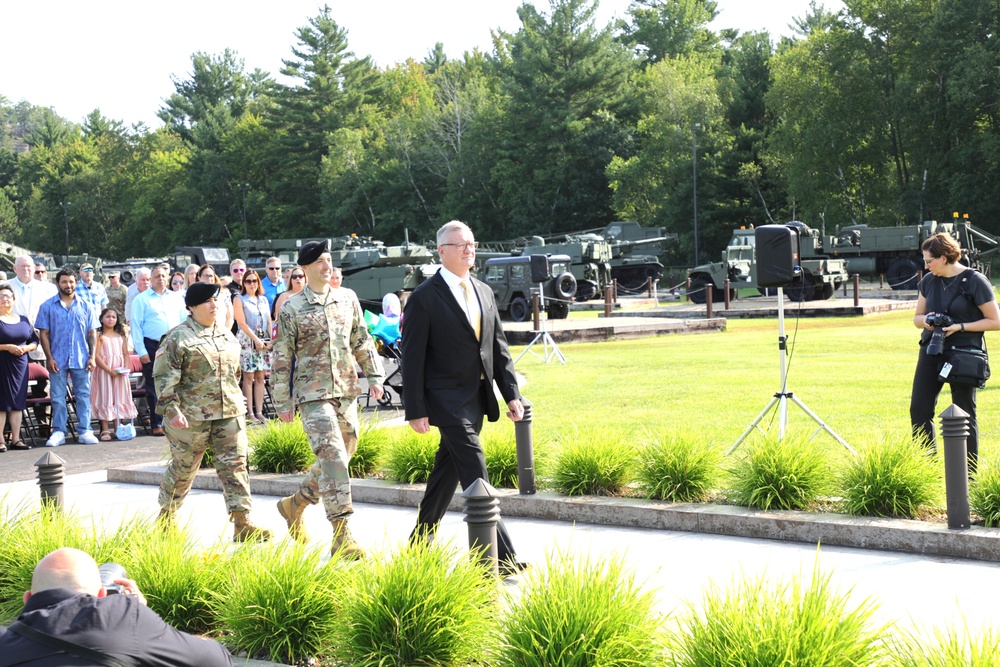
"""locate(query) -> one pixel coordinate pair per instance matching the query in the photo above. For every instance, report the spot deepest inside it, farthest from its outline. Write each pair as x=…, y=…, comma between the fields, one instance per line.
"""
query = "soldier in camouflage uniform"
x=195, y=371
x=323, y=330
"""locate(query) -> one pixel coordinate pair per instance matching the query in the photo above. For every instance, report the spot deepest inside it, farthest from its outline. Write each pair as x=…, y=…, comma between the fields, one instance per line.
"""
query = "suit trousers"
x=155, y=420
x=459, y=459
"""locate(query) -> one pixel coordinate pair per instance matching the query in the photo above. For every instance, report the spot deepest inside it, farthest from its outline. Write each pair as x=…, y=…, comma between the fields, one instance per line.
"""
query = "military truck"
x=185, y=255
x=895, y=251
x=590, y=260
x=512, y=280
x=820, y=276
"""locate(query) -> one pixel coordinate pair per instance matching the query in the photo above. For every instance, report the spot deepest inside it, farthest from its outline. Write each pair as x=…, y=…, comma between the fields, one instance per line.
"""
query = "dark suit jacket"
x=443, y=363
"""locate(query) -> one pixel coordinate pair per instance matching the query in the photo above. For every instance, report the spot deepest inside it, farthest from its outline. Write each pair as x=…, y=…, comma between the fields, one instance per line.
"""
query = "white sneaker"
x=87, y=438
x=56, y=439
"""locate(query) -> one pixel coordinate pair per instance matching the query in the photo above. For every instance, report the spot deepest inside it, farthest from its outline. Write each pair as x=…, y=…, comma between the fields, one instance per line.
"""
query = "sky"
x=120, y=55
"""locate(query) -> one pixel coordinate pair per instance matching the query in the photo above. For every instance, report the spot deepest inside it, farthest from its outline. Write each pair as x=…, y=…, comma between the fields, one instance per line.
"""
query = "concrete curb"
x=918, y=537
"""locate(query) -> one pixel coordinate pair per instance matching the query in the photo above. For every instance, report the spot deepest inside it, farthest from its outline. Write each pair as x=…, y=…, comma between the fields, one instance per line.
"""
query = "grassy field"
x=855, y=373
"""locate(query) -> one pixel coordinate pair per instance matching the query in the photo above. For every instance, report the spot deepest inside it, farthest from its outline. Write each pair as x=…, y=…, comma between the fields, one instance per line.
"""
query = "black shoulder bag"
x=965, y=365
x=75, y=650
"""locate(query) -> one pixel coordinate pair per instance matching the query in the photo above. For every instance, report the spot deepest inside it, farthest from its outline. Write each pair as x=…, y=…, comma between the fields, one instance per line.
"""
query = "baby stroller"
x=385, y=329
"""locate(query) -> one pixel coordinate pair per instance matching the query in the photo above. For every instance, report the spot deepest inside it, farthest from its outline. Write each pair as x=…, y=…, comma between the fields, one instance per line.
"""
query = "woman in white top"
x=224, y=315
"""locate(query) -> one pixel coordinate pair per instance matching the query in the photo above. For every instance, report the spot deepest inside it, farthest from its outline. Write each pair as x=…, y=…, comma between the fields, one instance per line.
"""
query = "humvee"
x=513, y=279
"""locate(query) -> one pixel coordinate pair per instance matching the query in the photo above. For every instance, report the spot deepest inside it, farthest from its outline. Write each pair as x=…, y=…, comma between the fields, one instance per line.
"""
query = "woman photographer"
x=967, y=298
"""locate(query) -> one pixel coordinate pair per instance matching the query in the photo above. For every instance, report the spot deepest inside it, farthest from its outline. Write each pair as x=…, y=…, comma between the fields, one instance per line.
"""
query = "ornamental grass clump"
x=500, y=449
x=280, y=447
x=788, y=474
x=950, y=649
x=176, y=578
x=277, y=602
x=409, y=458
x=426, y=605
x=755, y=623
x=373, y=439
x=892, y=478
x=26, y=535
x=679, y=467
x=578, y=613
x=984, y=492
x=594, y=462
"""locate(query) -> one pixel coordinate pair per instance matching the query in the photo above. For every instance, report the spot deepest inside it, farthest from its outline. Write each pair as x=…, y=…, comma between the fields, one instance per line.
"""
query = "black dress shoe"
x=510, y=568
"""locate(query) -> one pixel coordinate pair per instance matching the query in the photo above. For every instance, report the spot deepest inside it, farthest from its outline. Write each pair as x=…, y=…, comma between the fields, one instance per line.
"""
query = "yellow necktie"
x=474, y=318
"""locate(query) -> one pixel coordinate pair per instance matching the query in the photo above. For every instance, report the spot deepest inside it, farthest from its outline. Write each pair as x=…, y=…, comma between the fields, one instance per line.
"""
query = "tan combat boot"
x=343, y=542
x=291, y=509
x=244, y=531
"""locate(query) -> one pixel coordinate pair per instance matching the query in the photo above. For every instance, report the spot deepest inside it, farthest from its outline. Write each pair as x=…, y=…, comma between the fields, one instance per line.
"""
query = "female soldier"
x=967, y=297
x=200, y=398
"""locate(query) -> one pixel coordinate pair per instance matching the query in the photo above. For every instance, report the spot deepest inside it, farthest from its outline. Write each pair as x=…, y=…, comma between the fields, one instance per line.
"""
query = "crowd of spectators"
x=64, y=328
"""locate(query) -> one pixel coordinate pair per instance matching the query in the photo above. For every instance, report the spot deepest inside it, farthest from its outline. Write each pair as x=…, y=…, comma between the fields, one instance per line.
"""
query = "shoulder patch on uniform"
x=159, y=351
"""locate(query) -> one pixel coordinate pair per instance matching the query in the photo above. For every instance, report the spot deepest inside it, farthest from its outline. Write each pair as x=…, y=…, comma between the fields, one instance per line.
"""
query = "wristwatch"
x=963, y=327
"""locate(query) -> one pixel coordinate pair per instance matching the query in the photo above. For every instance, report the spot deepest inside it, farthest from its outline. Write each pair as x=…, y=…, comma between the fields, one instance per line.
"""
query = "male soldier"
x=117, y=294
x=201, y=401
x=323, y=331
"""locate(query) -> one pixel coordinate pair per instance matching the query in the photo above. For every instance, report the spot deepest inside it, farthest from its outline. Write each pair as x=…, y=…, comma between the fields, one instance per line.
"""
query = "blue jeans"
x=81, y=388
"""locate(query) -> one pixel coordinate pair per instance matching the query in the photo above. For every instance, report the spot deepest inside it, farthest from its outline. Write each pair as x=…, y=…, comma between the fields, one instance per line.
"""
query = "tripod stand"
x=542, y=335
x=783, y=395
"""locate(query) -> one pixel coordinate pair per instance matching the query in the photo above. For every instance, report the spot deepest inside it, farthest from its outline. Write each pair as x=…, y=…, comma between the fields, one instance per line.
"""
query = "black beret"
x=199, y=293
x=311, y=251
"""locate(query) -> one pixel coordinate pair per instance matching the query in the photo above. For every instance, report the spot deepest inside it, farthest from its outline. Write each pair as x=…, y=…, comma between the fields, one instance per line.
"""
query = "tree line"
x=885, y=113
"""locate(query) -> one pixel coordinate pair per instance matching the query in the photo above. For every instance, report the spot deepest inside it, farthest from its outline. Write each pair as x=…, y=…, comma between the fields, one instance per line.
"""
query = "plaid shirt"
x=95, y=295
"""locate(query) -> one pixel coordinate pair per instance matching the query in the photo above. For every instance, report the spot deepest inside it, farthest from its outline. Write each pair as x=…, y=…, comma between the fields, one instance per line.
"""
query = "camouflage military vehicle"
x=590, y=260
x=630, y=267
x=512, y=280
x=895, y=251
x=820, y=276
x=185, y=255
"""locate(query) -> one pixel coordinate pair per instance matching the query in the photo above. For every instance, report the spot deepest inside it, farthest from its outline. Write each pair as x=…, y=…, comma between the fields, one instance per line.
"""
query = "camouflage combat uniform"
x=116, y=300
x=196, y=374
x=324, y=335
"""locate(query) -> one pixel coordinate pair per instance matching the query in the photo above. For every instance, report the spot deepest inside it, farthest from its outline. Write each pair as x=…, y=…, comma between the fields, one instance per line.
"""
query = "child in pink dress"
x=110, y=393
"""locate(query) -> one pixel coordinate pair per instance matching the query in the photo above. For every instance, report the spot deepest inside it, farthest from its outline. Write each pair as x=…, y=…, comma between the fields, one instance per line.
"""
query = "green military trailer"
x=820, y=276
x=513, y=279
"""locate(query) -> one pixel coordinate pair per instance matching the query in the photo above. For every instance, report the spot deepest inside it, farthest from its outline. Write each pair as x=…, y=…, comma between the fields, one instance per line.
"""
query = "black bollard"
x=525, y=452
x=51, y=470
x=955, y=431
x=482, y=513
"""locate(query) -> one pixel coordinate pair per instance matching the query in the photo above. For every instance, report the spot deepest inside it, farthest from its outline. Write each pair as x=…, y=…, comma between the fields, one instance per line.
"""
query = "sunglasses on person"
x=250, y=281
x=177, y=282
x=297, y=276
x=274, y=268
x=40, y=273
x=237, y=270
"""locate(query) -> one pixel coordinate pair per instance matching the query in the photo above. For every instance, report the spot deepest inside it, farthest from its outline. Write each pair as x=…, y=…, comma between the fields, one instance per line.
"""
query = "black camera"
x=938, y=320
x=110, y=572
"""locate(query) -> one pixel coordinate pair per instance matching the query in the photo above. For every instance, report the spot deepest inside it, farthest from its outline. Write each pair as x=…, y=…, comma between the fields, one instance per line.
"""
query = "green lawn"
x=855, y=373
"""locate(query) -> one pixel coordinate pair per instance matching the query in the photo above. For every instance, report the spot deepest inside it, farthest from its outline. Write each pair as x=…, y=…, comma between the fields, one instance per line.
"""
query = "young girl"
x=110, y=393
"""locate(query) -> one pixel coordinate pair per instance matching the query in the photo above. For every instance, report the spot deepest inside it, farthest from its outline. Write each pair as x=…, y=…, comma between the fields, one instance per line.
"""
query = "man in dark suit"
x=453, y=350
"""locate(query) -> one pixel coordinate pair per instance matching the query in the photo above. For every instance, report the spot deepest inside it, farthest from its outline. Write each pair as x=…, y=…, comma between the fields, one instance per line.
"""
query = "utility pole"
x=244, y=187
x=694, y=185
x=65, y=207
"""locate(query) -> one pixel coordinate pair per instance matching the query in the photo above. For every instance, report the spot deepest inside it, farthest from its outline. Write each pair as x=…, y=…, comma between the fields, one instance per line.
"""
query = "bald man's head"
x=67, y=568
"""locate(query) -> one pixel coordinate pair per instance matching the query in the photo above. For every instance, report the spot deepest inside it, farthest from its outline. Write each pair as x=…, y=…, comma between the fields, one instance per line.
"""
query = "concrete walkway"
x=917, y=591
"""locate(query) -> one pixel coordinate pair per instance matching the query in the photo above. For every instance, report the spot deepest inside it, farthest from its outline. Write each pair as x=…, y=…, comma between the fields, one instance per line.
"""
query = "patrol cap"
x=113, y=274
x=311, y=251
x=199, y=293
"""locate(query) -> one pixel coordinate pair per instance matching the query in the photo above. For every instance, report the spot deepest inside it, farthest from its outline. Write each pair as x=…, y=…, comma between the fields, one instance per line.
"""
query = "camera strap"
x=75, y=650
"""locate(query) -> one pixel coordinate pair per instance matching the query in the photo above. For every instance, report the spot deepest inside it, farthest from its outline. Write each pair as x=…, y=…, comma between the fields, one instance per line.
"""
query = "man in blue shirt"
x=154, y=312
x=90, y=291
x=273, y=283
x=67, y=326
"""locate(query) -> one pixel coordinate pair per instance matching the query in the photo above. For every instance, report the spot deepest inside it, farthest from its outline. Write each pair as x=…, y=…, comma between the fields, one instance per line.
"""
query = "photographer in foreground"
x=69, y=619
x=955, y=306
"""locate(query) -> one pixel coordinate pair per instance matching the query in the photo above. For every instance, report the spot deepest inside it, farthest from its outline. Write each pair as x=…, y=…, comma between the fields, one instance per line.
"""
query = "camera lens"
x=110, y=572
